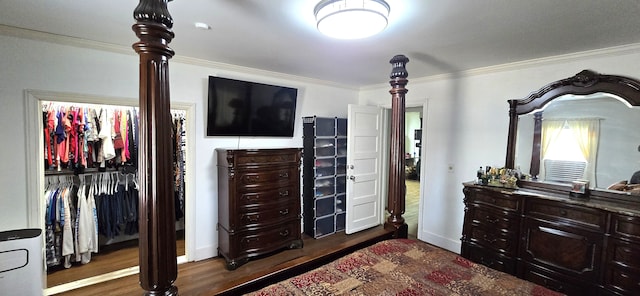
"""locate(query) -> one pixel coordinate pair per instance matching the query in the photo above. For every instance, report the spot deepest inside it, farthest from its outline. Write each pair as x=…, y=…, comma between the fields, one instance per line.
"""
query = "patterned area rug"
x=403, y=267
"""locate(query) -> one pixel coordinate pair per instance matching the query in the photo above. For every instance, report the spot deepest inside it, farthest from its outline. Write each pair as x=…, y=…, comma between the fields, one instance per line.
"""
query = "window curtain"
x=587, y=133
x=550, y=131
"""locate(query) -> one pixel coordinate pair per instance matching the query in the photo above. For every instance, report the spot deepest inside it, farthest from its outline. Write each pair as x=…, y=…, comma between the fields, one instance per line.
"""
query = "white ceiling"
x=438, y=36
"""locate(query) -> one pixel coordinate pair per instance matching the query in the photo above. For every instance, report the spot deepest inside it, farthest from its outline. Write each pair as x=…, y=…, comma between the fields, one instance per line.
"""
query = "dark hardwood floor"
x=210, y=277
x=109, y=259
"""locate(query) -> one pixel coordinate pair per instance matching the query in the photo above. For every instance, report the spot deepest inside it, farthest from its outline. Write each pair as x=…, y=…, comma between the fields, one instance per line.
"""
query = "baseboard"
x=440, y=241
x=204, y=253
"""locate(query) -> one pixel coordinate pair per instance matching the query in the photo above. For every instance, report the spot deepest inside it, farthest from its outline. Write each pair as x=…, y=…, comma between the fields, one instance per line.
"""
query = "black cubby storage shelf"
x=324, y=175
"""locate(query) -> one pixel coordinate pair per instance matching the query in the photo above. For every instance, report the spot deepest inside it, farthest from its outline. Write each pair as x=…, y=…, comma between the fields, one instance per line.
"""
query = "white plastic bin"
x=21, y=262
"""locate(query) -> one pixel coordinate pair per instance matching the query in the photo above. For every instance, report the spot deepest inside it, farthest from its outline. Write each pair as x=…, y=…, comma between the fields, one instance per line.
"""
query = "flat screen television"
x=243, y=108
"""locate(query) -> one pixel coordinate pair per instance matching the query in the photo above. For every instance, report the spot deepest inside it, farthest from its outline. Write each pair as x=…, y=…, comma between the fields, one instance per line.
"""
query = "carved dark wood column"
x=157, y=244
x=537, y=143
x=397, y=189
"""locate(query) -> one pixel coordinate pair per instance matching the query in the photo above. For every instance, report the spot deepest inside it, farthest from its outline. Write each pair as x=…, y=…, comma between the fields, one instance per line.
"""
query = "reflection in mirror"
x=593, y=137
x=579, y=128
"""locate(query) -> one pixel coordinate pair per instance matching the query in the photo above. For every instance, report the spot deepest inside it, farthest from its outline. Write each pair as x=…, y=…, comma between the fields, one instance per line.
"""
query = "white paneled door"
x=363, y=168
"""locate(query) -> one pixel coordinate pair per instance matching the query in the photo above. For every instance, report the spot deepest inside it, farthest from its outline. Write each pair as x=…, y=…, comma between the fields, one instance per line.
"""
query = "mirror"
x=608, y=102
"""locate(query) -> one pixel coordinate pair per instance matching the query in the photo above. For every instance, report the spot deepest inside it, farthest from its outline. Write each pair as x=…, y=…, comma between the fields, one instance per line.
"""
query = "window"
x=565, y=147
x=569, y=144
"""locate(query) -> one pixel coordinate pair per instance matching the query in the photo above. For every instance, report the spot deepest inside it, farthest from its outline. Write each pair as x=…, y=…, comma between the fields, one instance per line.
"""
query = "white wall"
x=32, y=64
x=466, y=125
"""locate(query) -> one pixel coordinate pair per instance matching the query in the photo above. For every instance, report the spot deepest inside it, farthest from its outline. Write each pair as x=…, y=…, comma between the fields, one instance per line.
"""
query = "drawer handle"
x=492, y=240
x=252, y=197
x=251, y=240
x=252, y=218
x=252, y=179
x=284, y=232
x=284, y=175
x=492, y=220
x=284, y=212
x=284, y=193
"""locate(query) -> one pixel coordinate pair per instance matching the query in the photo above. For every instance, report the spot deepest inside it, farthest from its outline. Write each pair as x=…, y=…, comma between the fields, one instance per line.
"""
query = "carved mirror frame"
x=586, y=82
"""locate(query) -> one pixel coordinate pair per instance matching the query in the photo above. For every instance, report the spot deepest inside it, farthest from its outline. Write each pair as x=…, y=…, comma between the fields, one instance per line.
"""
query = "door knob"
x=352, y=178
x=351, y=167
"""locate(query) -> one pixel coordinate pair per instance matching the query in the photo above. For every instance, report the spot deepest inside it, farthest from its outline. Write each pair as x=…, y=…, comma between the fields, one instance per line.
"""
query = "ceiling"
x=280, y=36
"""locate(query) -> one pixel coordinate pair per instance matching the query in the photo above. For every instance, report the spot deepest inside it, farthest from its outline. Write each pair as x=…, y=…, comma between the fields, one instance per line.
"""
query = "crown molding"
x=64, y=40
x=221, y=67
x=564, y=58
x=127, y=50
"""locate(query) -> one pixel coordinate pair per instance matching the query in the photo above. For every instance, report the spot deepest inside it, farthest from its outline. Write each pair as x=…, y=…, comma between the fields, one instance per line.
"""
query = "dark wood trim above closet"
x=158, y=265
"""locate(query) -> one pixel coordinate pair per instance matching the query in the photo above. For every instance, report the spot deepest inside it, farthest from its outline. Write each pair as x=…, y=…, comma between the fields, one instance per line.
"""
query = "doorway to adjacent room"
x=413, y=162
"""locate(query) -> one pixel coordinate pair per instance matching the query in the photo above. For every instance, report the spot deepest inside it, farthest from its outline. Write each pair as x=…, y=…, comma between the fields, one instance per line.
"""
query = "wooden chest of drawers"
x=622, y=269
x=565, y=239
x=491, y=228
x=574, y=246
x=258, y=202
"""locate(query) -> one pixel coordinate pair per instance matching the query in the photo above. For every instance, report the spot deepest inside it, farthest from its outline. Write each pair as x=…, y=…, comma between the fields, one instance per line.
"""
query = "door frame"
x=35, y=169
x=386, y=134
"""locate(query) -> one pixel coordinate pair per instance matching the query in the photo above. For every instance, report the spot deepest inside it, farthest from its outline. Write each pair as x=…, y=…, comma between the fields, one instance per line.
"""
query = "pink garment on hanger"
x=117, y=140
x=123, y=135
x=48, y=130
x=63, y=145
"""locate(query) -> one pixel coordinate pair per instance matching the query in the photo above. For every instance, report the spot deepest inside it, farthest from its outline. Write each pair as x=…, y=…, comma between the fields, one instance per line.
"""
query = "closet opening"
x=87, y=174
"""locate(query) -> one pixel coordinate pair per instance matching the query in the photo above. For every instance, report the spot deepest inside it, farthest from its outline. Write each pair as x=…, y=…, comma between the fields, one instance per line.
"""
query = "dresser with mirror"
x=585, y=244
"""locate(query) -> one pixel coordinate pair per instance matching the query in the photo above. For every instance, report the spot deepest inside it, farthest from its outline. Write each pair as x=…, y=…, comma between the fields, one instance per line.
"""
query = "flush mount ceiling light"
x=351, y=19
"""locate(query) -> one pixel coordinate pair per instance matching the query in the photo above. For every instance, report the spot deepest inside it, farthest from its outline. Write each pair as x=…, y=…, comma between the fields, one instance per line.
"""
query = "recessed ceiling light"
x=202, y=26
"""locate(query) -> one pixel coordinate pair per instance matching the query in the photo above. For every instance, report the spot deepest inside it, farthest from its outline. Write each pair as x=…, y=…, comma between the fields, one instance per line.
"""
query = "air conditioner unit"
x=21, y=262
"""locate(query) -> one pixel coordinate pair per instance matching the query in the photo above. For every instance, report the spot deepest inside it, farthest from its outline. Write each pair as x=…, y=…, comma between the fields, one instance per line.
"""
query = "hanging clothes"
x=86, y=232
x=49, y=141
x=53, y=239
x=81, y=137
x=106, y=135
x=116, y=202
x=66, y=222
x=58, y=220
x=95, y=201
x=179, y=146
